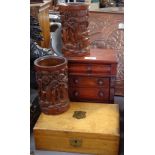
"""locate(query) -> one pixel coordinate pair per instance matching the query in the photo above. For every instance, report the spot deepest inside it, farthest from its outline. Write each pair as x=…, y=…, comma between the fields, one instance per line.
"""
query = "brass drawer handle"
x=100, y=82
x=101, y=94
x=75, y=142
x=76, y=81
x=76, y=93
x=89, y=69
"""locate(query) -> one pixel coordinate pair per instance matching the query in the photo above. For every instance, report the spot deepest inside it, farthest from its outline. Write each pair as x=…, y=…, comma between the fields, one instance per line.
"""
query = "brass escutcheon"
x=79, y=114
x=76, y=142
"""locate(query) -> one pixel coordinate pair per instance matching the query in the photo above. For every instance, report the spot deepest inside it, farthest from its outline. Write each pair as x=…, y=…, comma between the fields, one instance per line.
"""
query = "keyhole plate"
x=76, y=142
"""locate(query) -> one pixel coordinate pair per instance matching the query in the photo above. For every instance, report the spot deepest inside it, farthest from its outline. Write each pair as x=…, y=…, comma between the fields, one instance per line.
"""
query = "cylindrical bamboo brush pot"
x=75, y=38
x=52, y=80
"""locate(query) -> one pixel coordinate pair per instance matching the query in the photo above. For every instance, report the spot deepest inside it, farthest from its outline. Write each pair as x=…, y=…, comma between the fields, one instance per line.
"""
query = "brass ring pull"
x=100, y=82
x=76, y=81
x=76, y=93
x=89, y=69
x=101, y=94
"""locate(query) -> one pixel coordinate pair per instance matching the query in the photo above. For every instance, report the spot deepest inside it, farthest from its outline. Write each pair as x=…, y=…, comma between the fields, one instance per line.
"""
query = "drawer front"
x=85, y=81
x=89, y=68
x=89, y=94
x=77, y=144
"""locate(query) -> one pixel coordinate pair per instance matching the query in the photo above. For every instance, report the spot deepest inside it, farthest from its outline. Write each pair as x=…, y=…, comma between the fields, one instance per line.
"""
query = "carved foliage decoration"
x=53, y=90
x=74, y=29
x=104, y=33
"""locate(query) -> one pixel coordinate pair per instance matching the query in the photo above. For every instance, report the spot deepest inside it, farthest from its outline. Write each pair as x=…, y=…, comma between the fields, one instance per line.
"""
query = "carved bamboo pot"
x=52, y=80
x=75, y=39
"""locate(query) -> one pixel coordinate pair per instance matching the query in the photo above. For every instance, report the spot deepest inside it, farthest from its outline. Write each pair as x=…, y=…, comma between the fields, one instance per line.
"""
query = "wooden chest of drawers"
x=96, y=133
x=92, y=78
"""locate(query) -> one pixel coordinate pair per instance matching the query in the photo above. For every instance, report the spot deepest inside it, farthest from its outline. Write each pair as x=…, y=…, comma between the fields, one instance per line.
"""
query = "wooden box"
x=92, y=78
x=97, y=133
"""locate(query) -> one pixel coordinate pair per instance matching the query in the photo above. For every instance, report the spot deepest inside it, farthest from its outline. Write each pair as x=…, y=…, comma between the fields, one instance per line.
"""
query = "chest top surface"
x=97, y=56
x=100, y=118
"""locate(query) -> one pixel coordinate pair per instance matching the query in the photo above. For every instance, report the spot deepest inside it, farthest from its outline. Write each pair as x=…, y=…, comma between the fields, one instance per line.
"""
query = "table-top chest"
x=85, y=128
x=92, y=78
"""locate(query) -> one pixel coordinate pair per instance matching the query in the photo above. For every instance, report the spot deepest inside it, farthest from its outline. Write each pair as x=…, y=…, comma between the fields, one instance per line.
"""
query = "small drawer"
x=89, y=94
x=89, y=68
x=85, y=81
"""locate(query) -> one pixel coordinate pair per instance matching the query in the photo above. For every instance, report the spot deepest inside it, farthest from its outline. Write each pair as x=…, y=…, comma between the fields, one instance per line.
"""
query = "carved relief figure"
x=53, y=89
x=74, y=29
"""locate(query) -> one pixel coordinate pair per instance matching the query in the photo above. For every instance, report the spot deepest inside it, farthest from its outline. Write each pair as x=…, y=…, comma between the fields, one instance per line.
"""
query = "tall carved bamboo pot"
x=75, y=38
x=52, y=80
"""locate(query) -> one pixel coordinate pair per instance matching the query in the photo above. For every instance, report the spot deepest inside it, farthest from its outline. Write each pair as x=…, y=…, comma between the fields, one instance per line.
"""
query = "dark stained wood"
x=102, y=56
x=74, y=29
x=105, y=33
x=41, y=12
x=36, y=1
x=86, y=81
x=92, y=78
x=52, y=80
x=90, y=69
x=89, y=94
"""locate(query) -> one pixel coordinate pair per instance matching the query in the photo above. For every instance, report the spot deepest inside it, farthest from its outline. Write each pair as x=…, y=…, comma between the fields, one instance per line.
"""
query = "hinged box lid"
x=101, y=119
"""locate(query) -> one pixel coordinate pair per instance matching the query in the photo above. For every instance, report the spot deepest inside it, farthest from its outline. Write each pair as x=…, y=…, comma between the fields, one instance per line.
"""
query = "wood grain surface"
x=97, y=133
x=85, y=74
x=41, y=12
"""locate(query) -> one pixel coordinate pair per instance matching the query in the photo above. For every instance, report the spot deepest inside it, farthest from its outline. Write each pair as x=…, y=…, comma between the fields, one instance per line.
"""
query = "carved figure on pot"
x=75, y=38
x=52, y=81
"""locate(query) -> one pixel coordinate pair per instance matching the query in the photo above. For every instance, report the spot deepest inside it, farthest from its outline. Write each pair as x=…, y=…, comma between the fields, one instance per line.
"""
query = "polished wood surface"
x=86, y=81
x=92, y=78
x=41, y=11
x=97, y=55
x=90, y=68
x=105, y=32
x=97, y=133
x=89, y=94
